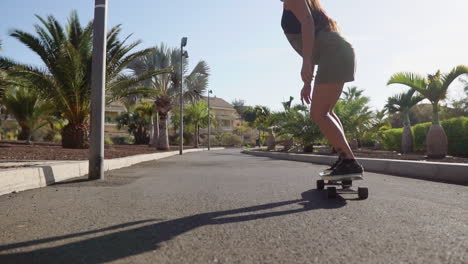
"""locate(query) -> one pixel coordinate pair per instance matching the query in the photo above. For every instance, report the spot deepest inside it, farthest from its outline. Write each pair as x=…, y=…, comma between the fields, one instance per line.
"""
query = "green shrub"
x=391, y=139
x=369, y=140
x=57, y=138
x=123, y=140
x=225, y=140
x=108, y=141
x=11, y=135
x=249, y=142
x=231, y=140
x=457, y=134
x=419, y=134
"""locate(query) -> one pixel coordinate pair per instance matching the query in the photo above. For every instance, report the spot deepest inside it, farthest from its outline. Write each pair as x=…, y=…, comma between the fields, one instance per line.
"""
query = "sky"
x=243, y=43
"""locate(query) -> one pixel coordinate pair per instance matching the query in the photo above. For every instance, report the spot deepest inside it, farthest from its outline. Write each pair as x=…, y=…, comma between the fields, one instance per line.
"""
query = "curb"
x=455, y=173
x=37, y=176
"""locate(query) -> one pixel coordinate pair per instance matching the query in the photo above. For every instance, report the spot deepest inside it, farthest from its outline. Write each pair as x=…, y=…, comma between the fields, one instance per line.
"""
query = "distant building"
x=226, y=116
x=113, y=110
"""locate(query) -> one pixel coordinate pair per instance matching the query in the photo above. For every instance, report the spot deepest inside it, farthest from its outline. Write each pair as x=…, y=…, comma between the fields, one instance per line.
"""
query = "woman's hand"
x=307, y=72
x=305, y=94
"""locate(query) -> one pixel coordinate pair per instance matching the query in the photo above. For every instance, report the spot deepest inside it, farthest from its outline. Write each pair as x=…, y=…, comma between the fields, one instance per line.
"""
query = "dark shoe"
x=333, y=166
x=347, y=169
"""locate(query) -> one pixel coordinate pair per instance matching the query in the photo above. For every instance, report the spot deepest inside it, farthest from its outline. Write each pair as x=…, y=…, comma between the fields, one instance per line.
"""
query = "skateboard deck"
x=353, y=177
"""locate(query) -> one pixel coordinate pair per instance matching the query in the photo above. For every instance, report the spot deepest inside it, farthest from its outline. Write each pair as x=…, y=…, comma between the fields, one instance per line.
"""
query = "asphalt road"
x=227, y=207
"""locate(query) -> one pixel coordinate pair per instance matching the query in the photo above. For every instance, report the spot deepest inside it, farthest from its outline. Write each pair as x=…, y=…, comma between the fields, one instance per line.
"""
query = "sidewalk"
x=456, y=173
x=21, y=176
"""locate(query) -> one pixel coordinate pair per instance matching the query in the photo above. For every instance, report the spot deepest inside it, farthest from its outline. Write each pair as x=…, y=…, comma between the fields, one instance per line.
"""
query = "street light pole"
x=209, y=120
x=98, y=83
x=181, y=97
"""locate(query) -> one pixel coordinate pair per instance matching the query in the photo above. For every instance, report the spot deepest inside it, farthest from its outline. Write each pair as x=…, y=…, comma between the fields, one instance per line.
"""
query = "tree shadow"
x=121, y=244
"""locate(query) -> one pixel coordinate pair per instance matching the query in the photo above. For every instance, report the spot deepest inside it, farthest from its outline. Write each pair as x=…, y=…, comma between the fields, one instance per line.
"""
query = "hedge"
x=457, y=133
x=391, y=139
x=455, y=128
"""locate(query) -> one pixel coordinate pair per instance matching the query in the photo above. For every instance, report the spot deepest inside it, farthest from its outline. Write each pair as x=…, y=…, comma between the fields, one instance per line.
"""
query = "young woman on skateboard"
x=315, y=36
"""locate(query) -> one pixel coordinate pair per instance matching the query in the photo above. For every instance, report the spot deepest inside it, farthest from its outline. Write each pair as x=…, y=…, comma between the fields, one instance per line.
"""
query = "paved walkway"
x=226, y=207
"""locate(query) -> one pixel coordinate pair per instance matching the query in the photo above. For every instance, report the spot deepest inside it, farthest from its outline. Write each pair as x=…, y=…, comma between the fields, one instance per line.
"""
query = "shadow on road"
x=121, y=244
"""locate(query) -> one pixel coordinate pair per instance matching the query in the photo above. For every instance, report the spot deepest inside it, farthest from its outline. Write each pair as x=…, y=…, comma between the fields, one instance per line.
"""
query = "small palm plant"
x=434, y=88
x=137, y=122
x=29, y=110
x=402, y=103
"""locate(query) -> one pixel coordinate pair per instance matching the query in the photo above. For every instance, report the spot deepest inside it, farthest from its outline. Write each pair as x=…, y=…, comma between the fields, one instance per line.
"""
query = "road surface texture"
x=227, y=207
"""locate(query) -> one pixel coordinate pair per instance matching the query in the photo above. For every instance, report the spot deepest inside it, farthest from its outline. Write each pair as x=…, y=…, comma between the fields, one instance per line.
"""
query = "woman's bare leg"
x=333, y=114
x=324, y=98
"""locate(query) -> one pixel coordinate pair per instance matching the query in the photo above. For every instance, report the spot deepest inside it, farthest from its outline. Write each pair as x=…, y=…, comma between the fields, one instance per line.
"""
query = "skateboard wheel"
x=363, y=193
x=331, y=192
x=320, y=184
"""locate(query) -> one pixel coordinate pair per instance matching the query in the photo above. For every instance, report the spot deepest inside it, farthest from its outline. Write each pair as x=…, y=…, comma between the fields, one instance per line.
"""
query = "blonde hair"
x=321, y=19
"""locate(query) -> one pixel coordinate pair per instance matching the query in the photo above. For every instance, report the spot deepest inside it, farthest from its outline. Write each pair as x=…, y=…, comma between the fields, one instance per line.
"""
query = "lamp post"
x=181, y=101
x=98, y=83
x=209, y=120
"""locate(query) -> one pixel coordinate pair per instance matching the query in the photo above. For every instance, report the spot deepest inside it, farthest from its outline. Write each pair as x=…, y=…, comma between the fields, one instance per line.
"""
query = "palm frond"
x=448, y=79
x=33, y=43
x=411, y=80
x=121, y=86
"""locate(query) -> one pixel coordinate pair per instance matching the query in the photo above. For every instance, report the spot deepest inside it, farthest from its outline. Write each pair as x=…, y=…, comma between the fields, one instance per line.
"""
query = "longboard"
x=346, y=183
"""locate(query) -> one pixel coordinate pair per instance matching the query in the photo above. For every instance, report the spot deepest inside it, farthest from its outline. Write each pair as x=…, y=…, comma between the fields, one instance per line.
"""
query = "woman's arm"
x=301, y=10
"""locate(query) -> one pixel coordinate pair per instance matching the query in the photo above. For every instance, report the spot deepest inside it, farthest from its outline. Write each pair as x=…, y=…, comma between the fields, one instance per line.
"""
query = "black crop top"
x=290, y=23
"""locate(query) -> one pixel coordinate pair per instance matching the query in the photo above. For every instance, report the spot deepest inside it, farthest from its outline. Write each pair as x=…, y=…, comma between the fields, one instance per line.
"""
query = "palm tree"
x=66, y=78
x=354, y=113
x=28, y=109
x=402, y=103
x=164, y=88
x=197, y=117
x=434, y=88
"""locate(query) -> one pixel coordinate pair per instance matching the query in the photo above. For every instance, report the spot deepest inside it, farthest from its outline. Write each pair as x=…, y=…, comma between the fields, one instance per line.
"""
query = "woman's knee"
x=318, y=116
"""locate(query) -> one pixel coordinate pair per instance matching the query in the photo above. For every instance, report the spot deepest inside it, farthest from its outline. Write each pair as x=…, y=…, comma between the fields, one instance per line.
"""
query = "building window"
x=226, y=123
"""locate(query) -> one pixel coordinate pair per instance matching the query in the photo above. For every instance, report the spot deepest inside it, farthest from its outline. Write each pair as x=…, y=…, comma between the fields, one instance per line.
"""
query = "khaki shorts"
x=335, y=58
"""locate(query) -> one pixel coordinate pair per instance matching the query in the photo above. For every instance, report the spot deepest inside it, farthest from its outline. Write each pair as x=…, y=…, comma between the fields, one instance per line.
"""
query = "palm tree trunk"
x=154, y=131
x=271, y=141
x=25, y=133
x=407, y=140
x=436, y=139
x=407, y=137
x=75, y=136
x=406, y=118
x=196, y=145
x=435, y=113
x=151, y=134
x=163, y=138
